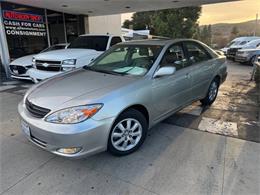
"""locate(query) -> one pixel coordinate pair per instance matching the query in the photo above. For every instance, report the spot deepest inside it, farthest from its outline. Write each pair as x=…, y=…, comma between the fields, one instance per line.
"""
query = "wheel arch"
x=139, y=107
x=218, y=78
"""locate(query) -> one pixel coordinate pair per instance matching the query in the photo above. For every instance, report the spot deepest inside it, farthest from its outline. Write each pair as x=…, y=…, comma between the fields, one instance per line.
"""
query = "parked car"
x=19, y=66
x=80, y=52
x=111, y=103
x=234, y=42
x=231, y=52
x=247, y=55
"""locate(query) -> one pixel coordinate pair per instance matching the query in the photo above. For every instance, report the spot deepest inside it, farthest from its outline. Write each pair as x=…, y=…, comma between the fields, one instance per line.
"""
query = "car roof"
x=105, y=35
x=161, y=42
x=254, y=41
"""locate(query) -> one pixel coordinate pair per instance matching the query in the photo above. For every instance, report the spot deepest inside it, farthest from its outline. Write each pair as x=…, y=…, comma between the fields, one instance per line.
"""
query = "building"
x=31, y=26
x=27, y=30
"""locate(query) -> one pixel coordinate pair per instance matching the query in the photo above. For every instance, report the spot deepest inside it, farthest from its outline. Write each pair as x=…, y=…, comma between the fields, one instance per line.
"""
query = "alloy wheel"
x=126, y=134
x=213, y=90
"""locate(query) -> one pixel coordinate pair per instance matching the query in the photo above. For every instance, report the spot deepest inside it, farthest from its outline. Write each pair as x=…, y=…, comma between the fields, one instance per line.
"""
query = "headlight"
x=74, y=114
x=69, y=62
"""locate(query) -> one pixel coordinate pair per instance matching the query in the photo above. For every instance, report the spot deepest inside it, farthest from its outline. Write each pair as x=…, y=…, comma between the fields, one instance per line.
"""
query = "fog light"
x=72, y=150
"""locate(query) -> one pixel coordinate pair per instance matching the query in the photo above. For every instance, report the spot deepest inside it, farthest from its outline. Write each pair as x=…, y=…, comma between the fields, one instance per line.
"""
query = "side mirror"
x=164, y=71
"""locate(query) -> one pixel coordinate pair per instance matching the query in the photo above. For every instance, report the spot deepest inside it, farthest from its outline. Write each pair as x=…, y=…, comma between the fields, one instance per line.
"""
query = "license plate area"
x=25, y=128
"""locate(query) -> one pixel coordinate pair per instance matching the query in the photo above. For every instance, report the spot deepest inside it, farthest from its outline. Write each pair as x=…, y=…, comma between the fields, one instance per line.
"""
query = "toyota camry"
x=111, y=103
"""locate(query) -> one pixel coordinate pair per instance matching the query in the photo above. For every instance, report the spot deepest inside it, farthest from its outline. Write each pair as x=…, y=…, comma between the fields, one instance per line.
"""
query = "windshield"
x=54, y=47
x=243, y=43
x=231, y=43
x=98, y=43
x=254, y=43
x=133, y=60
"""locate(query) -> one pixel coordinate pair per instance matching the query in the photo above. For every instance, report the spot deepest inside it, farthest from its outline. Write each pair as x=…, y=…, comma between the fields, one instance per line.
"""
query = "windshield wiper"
x=103, y=71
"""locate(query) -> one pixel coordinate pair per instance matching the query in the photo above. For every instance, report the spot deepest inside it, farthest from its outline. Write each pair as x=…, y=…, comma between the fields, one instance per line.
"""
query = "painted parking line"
x=218, y=126
x=6, y=87
x=27, y=85
x=193, y=110
x=21, y=91
x=12, y=82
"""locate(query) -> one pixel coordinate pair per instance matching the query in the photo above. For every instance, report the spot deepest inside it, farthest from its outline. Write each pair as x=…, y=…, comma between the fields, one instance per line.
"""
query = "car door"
x=172, y=92
x=202, y=65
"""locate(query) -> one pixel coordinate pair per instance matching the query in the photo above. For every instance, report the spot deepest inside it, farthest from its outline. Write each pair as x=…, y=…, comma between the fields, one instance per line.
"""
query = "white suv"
x=79, y=52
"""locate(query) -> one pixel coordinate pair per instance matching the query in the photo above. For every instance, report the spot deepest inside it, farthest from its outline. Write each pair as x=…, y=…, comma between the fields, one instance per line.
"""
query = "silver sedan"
x=111, y=103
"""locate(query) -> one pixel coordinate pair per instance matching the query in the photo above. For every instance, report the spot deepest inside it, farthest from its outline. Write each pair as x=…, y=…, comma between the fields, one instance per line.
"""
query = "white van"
x=231, y=52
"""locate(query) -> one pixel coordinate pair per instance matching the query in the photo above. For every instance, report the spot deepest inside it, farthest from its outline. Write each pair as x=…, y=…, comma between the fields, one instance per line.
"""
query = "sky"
x=231, y=12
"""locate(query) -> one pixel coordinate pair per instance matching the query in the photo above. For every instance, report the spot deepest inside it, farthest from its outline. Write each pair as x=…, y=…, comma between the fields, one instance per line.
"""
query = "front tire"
x=252, y=60
x=211, y=94
x=128, y=133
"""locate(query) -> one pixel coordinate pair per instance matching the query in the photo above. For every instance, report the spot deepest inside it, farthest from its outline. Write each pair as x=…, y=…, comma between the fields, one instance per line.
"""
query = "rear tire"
x=211, y=94
x=127, y=133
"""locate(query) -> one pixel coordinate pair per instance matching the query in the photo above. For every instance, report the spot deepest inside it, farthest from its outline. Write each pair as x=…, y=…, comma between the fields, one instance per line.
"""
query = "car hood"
x=66, y=89
x=23, y=61
x=63, y=54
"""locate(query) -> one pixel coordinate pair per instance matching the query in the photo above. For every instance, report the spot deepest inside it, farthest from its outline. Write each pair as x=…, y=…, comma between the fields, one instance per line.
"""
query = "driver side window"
x=174, y=56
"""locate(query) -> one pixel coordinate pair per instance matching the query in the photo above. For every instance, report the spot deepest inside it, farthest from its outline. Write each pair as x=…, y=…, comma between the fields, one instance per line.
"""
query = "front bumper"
x=22, y=77
x=241, y=58
x=91, y=135
x=38, y=75
x=19, y=72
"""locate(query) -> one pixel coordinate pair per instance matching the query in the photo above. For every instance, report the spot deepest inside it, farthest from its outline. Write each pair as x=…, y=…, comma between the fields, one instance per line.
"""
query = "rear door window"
x=115, y=40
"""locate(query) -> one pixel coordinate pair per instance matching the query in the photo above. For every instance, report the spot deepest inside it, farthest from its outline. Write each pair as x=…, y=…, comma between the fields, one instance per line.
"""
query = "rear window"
x=98, y=43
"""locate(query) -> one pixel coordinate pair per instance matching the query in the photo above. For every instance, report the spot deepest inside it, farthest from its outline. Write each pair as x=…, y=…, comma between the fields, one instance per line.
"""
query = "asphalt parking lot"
x=196, y=151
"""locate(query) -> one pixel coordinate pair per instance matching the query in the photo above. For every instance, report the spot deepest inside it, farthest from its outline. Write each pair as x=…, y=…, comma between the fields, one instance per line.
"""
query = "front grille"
x=49, y=68
x=47, y=65
x=48, y=62
x=36, y=111
x=18, y=69
x=232, y=51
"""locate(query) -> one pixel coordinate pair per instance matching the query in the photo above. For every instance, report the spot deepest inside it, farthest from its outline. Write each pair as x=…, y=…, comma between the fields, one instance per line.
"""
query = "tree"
x=127, y=24
x=205, y=34
x=174, y=23
x=234, y=32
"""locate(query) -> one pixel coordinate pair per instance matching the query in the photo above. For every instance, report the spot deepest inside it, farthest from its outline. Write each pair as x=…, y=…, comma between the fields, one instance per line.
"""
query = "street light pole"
x=256, y=19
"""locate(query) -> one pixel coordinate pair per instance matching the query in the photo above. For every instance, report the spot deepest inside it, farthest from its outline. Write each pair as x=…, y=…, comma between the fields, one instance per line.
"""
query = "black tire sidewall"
x=131, y=113
x=206, y=101
x=251, y=62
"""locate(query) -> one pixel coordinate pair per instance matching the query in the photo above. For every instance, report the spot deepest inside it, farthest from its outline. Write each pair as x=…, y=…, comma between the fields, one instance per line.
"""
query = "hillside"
x=244, y=28
x=221, y=32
